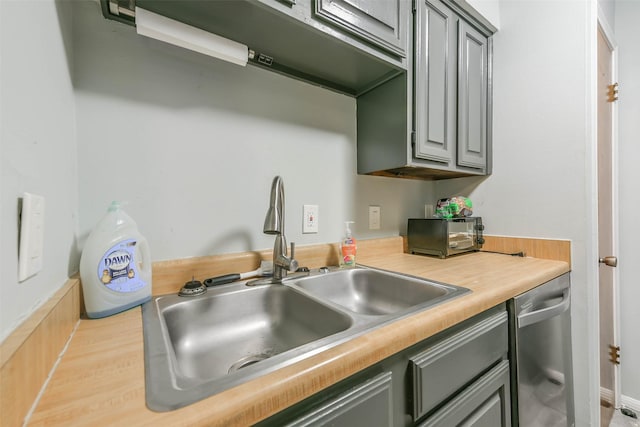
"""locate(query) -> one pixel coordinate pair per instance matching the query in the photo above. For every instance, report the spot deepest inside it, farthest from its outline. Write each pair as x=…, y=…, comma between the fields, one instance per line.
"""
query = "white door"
x=606, y=225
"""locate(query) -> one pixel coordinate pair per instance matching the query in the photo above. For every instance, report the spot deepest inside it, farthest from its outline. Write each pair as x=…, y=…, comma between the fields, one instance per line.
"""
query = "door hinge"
x=612, y=93
x=614, y=354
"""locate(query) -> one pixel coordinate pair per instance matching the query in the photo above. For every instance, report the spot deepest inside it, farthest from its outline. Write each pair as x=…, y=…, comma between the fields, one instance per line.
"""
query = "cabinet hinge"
x=413, y=142
x=612, y=93
x=414, y=6
x=614, y=354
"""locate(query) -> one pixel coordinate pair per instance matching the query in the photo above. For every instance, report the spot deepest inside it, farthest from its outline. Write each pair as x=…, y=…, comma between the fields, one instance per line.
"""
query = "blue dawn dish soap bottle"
x=115, y=267
x=348, y=248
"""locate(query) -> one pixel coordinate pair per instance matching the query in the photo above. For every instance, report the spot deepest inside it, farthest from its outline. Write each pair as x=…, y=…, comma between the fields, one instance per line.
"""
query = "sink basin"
x=198, y=346
x=218, y=334
x=373, y=292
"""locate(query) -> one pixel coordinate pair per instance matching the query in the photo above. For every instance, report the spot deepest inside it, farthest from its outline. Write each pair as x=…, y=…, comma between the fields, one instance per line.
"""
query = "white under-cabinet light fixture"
x=161, y=28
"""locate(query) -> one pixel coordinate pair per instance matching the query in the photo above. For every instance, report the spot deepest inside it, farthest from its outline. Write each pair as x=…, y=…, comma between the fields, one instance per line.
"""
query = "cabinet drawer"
x=486, y=403
x=368, y=404
x=449, y=365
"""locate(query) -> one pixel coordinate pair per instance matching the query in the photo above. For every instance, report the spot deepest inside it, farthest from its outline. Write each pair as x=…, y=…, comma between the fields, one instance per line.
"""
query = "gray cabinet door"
x=485, y=403
x=472, y=97
x=435, y=85
x=369, y=404
x=381, y=23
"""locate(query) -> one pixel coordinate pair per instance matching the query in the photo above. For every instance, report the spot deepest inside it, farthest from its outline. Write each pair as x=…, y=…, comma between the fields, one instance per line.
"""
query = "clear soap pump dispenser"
x=348, y=248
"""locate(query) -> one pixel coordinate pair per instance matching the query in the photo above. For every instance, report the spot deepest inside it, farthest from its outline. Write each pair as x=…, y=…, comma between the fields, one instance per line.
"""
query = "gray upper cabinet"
x=348, y=46
x=381, y=23
x=472, y=97
x=435, y=86
x=441, y=127
x=422, y=85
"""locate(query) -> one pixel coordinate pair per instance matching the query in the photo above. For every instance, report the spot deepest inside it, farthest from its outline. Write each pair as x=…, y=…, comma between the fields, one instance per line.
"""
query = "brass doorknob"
x=611, y=261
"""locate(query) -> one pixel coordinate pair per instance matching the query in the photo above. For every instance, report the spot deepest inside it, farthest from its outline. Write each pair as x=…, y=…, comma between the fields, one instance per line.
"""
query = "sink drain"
x=247, y=361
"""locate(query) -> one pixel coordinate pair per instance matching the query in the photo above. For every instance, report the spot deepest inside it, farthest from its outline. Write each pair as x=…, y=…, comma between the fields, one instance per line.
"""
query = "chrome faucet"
x=274, y=224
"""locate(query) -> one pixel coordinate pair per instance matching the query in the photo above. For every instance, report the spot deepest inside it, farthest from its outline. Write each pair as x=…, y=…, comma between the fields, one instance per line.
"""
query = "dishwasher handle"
x=545, y=313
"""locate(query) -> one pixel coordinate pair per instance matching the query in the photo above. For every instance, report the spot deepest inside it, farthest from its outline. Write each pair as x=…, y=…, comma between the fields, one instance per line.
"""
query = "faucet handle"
x=293, y=250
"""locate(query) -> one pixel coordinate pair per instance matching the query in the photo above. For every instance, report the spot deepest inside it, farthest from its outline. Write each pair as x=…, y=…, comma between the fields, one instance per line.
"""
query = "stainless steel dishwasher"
x=542, y=375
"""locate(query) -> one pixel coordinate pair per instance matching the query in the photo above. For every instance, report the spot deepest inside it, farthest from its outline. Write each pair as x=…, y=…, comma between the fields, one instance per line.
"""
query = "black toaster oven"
x=444, y=237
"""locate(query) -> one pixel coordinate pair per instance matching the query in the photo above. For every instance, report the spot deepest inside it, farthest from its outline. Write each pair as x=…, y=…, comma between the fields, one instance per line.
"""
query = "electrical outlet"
x=374, y=217
x=428, y=211
x=31, y=236
x=309, y=219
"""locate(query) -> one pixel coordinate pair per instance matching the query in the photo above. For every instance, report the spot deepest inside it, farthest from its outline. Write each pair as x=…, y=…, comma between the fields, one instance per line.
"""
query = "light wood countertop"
x=100, y=379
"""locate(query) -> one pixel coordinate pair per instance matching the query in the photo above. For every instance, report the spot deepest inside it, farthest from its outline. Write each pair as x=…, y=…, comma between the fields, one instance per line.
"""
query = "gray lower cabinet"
x=485, y=403
x=441, y=126
x=368, y=404
x=456, y=361
x=459, y=377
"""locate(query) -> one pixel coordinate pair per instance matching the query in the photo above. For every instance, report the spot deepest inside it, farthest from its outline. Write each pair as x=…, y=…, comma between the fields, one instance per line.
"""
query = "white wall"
x=37, y=149
x=543, y=152
x=628, y=38
x=490, y=9
x=193, y=144
x=608, y=8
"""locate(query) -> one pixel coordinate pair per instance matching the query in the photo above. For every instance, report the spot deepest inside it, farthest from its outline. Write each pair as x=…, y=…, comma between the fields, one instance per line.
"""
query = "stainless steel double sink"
x=196, y=347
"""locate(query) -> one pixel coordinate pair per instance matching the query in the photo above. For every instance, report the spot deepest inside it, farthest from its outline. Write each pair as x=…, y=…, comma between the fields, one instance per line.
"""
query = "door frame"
x=609, y=37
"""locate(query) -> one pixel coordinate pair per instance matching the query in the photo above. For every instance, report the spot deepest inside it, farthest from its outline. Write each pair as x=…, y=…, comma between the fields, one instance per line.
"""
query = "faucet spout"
x=274, y=220
x=274, y=224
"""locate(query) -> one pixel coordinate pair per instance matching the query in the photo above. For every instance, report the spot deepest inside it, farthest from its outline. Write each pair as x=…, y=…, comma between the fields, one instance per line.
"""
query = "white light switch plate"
x=309, y=219
x=374, y=217
x=31, y=236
